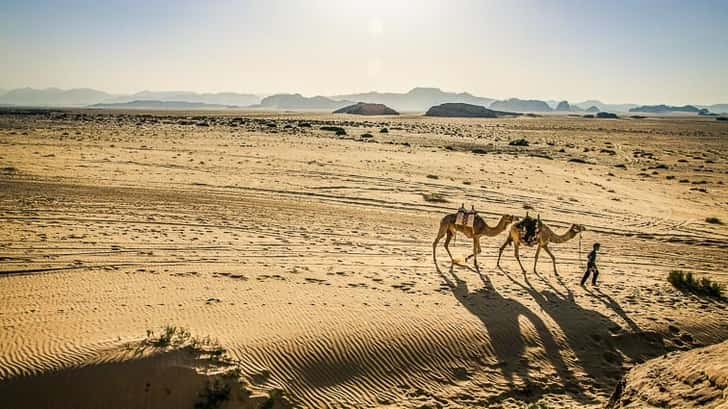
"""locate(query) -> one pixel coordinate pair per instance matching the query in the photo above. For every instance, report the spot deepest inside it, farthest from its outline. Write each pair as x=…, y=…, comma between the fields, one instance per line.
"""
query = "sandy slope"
x=308, y=256
x=692, y=379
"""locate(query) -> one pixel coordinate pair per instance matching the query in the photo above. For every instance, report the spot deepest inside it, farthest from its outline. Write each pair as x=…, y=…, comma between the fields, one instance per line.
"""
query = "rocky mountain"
x=601, y=106
x=53, y=97
x=416, y=99
x=363, y=108
x=563, y=106
x=521, y=105
x=154, y=104
x=665, y=109
x=456, y=109
x=593, y=109
x=718, y=108
x=299, y=102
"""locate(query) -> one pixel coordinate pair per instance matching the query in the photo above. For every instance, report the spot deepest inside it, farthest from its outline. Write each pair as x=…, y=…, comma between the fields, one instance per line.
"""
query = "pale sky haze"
x=671, y=52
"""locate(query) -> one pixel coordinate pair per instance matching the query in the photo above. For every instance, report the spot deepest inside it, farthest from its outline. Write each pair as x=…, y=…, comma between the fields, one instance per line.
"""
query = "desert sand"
x=307, y=255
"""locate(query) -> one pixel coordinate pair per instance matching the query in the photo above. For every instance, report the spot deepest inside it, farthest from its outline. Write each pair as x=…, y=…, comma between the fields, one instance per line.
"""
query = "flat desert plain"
x=300, y=261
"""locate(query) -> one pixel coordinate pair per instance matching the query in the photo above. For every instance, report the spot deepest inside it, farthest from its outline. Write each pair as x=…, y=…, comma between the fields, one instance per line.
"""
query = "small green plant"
x=704, y=286
x=170, y=335
x=713, y=220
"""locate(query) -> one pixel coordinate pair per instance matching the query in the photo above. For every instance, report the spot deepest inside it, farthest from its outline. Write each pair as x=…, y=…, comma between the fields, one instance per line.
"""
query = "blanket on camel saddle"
x=465, y=217
x=529, y=229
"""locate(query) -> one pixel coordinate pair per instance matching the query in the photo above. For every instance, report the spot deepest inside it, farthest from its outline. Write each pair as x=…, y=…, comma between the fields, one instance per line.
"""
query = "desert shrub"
x=384, y=130
x=367, y=135
x=703, y=286
x=518, y=142
x=433, y=177
x=713, y=220
x=434, y=197
x=337, y=129
x=170, y=336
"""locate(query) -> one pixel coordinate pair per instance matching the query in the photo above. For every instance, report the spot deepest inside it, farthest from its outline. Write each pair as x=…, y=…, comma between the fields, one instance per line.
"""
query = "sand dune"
x=692, y=379
x=308, y=256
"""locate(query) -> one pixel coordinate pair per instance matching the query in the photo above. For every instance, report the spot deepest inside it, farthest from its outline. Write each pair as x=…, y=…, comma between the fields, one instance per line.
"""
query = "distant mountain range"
x=663, y=109
x=521, y=105
x=416, y=100
x=53, y=97
x=299, y=102
x=154, y=104
x=220, y=98
x=81, y=97
x=601, y=106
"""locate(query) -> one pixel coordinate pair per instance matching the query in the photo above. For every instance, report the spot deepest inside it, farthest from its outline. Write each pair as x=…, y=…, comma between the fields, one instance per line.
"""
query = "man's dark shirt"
x=592, y=258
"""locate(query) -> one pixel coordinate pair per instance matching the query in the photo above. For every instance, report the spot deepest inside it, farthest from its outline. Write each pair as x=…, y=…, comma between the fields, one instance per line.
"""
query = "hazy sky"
x=617, y=51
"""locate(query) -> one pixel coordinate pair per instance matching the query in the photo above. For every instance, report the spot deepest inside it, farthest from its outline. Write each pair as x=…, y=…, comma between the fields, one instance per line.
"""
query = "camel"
x=543, y=238
x=479, y=229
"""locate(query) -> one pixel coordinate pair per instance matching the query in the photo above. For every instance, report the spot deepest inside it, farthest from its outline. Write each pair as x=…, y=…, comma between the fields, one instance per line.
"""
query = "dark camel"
x=544, y=236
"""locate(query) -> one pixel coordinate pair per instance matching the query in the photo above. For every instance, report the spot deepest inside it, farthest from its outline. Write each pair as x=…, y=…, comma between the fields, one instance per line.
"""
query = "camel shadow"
x=601, y=347
x=512, y=348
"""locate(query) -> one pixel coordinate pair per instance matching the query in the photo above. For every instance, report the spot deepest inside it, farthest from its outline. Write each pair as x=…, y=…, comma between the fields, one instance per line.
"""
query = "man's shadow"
x=501, y=318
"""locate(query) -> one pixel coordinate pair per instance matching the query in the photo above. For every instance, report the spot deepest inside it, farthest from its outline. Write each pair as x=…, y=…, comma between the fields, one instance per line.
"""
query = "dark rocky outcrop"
x=606, y=115
x=363, y=108
x=465, y=111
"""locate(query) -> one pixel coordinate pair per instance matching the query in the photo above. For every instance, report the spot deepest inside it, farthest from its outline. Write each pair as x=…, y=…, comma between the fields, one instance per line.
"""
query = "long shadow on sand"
x=599, y=346
x=502, y=318
x=602, y=348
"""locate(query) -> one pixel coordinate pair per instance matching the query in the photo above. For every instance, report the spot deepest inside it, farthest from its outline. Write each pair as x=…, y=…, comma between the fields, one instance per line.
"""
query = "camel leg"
x=440, y=233
x=535, y=258
x=475, y=254
x=476, y=250
x=518, y=258
x=447, y=245
x=500, y=252
x=553, y=259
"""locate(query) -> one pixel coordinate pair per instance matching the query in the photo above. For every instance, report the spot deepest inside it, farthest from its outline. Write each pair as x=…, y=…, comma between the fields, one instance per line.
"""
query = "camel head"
x=509, y=218
x=578, y=228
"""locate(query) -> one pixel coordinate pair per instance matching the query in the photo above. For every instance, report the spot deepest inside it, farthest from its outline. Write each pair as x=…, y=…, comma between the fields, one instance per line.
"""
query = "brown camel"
x=544, y=236
x=479, y=229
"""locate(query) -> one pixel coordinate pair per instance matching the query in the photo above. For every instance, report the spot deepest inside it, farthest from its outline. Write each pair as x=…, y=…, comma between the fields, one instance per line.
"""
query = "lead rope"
x=580, y=265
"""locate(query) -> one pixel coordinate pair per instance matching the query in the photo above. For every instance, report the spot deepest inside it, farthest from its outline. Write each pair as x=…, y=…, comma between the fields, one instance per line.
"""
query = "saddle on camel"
x=529, y=229
x=465, y=217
